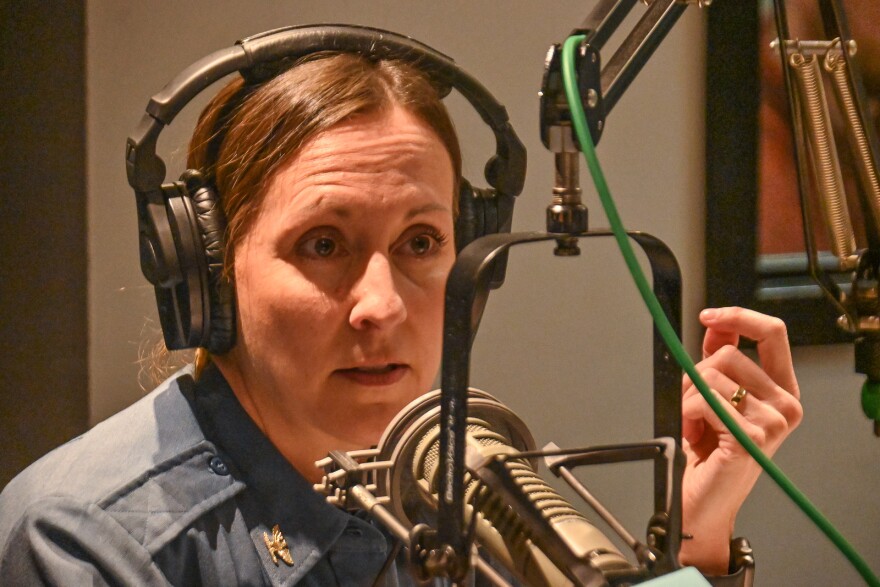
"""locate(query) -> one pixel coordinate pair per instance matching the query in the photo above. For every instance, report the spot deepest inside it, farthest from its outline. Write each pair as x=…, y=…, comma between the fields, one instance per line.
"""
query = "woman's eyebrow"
x=431, y=207
x=329, y=207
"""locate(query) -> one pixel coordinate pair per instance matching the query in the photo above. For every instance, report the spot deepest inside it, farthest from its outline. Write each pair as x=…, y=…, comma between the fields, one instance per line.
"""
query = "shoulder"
x=59, y=540
x=155, y=429
x=144, y=473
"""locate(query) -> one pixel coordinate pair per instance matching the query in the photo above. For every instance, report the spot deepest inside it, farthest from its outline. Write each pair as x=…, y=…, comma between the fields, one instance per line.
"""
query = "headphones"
x=181, y=224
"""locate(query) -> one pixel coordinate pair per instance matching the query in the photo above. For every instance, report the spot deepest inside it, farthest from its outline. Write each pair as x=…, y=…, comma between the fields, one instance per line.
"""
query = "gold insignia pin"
x=278, y=546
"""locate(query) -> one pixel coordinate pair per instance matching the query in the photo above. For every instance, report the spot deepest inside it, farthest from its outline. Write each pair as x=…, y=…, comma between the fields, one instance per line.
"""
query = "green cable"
x=668, y=332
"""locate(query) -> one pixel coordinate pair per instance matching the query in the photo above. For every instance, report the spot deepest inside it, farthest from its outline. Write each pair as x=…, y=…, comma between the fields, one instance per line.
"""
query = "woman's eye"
x=423, y=244
x=324, y=247
x=320, y=247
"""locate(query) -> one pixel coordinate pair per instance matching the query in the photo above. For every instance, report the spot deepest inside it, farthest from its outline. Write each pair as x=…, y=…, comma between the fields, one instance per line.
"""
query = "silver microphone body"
x=411, y=443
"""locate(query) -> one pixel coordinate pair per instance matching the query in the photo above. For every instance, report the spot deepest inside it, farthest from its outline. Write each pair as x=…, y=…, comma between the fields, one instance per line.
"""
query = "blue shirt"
x=179, y=488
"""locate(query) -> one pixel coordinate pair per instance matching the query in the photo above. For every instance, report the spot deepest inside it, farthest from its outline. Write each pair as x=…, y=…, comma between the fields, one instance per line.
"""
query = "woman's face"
x=340, y=282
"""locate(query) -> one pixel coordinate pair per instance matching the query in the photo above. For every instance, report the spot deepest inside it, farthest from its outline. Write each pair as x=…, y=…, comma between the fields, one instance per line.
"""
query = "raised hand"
x=720, y=473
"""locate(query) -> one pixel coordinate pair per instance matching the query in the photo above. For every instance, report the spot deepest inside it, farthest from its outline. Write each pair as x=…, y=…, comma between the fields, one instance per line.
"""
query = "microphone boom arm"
x=815, y=151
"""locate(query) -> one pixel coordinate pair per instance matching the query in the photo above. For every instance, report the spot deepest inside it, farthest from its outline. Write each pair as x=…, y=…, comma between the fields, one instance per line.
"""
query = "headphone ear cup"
x=183, y=301
x=469, y=225
x=482, y=212
x=219, y=334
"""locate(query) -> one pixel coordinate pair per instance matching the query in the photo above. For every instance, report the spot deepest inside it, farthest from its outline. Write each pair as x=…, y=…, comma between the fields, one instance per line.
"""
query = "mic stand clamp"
x=350, y=484
x=566, y=215
x=345, y=484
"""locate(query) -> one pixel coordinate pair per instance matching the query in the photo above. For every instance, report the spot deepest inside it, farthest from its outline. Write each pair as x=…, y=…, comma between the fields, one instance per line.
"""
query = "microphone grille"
x=426, y=460
x=412, y=444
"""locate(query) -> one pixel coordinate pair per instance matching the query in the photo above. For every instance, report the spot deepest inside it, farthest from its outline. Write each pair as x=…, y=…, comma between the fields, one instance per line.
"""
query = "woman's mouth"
x=386, y=374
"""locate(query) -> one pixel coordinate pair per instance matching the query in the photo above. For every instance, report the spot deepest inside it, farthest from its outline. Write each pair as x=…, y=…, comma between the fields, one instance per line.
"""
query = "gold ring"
x=738, y=396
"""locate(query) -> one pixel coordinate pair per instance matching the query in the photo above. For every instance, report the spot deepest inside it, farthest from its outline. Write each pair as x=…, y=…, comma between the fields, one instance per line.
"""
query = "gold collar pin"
x=278, y=546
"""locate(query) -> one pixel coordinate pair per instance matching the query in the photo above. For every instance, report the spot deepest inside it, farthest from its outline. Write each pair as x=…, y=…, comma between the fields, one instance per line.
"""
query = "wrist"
x=708, y=550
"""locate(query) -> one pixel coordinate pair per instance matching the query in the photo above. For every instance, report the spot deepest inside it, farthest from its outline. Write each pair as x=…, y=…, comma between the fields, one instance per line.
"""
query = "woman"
x=337, y=178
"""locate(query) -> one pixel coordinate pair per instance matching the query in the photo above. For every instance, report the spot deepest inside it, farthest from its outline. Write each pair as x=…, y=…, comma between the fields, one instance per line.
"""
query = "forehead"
x=392, y=133
x=387, y=158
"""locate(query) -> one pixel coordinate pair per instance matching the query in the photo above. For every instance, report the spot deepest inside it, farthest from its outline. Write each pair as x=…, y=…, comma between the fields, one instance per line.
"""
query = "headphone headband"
x=257, y=59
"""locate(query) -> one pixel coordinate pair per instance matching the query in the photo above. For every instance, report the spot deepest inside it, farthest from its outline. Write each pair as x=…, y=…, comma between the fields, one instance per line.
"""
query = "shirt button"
x=218, y=466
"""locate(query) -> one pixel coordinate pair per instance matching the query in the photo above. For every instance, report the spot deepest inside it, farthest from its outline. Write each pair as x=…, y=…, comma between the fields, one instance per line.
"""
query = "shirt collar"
x=281, y=494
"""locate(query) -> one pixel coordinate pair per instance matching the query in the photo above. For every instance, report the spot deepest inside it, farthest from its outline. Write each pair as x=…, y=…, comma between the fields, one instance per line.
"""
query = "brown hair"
x=255, y=131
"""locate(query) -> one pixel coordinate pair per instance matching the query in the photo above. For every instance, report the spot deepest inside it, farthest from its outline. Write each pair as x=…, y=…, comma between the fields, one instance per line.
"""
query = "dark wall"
x=43, y=304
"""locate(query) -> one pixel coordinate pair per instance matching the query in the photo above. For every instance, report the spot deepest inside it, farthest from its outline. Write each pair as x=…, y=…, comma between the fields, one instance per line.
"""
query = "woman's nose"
x=377, y=300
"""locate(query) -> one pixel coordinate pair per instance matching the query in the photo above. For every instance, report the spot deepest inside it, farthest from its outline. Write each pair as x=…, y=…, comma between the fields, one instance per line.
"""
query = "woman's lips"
x=375, y=375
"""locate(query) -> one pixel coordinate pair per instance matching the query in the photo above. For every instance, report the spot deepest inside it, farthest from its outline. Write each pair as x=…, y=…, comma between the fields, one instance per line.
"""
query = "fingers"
x=715, y=339
x=761, y=420
x=729, y=368
x=727, y=324
x=700, y=425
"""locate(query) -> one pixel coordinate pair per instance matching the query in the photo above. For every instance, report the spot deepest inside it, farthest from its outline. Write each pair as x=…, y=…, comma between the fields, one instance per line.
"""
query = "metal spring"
x=835, y=64
x=827, y=170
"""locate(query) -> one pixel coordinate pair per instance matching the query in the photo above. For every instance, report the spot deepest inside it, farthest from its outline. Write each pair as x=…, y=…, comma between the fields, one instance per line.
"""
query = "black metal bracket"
x=664, y=529
x=466, y=294
x=554, y=111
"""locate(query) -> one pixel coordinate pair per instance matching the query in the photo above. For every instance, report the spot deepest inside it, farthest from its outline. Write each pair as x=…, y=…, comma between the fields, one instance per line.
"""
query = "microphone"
x=412, y=447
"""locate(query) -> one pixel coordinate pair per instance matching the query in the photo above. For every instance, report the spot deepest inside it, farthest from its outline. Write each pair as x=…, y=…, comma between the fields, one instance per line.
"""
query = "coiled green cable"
x=668, y=333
